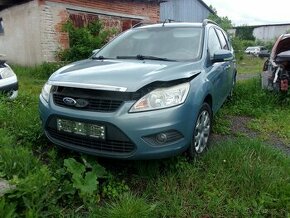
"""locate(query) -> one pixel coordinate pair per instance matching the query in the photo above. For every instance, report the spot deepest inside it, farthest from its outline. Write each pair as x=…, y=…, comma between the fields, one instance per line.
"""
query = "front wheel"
x=201, y=131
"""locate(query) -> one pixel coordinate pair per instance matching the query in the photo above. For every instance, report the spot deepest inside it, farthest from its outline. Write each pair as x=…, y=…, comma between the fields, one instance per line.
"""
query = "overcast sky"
x=253, y=12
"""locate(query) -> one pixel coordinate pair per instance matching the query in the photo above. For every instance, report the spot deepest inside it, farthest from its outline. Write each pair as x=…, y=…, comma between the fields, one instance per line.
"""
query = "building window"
x=1, y=26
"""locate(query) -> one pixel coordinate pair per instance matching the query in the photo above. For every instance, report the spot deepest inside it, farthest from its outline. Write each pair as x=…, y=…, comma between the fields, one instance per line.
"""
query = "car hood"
x=130, y=75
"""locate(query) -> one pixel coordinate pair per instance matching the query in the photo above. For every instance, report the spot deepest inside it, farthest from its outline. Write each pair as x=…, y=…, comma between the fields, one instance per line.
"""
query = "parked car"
x=148, y=94
x=8, y=81
x=263, y=53
x=276, y=70
x=257, y=51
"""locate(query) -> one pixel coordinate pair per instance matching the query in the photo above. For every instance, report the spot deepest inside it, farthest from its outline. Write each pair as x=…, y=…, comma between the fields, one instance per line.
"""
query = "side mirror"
x=222, y=55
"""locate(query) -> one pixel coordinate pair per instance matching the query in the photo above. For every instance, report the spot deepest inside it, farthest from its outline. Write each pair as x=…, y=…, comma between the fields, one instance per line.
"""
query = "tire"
x=201, y=131
x=11, y=95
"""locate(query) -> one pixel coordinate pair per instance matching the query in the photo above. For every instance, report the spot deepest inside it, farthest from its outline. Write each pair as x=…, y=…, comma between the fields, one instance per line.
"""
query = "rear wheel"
x=201, y=131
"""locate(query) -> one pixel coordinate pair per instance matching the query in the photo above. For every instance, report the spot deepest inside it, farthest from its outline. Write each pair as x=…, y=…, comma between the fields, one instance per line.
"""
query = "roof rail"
x=142, y=23
x=207, y=21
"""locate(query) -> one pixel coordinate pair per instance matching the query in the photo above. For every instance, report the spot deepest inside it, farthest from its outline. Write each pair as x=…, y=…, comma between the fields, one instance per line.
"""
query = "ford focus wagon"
x=150, y=93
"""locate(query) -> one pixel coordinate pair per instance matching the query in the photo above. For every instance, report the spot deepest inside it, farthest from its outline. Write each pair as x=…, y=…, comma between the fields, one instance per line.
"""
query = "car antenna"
x=167, y=21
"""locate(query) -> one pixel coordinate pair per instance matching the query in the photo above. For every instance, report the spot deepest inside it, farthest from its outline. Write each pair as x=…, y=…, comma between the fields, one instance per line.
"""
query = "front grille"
x=112, y=146
x=96, y=100
x=94, y=104
x=116, y=141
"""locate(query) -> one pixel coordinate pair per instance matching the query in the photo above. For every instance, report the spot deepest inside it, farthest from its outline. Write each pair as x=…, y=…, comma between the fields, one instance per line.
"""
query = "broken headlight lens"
x=46, y=91
x=162, y=98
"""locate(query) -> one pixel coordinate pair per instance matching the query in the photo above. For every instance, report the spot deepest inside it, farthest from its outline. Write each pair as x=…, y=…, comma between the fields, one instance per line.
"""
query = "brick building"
x=31, y=30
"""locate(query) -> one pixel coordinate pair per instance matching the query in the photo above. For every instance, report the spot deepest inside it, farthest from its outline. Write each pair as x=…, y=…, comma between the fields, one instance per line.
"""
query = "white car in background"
x=256, y=50
x=8, y=80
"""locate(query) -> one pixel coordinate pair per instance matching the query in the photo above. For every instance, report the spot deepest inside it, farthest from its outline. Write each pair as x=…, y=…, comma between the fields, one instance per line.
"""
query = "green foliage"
x=251, y=100
x=268, y=44
x=25, y=125
x=7, y=210
x=42, y=71
x=250, y=65
x=245, y=33
x=5, y=138
x=224, y=22
x=221, y=125
x=36, y=194
x=114, y=188
x=129, y=206
x=83, y=41
x=16, y=161
x=85, y=179
x=237, y=178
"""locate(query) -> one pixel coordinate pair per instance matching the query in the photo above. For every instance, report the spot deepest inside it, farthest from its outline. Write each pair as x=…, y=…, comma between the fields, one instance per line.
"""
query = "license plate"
x=82, y=129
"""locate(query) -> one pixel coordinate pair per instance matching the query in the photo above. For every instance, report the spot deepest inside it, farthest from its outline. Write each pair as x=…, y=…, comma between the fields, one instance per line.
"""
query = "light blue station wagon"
x=148, y=94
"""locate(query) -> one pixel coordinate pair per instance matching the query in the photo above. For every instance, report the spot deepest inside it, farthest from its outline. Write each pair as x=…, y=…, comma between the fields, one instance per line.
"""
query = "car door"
x=229, y=65
x=216, y=71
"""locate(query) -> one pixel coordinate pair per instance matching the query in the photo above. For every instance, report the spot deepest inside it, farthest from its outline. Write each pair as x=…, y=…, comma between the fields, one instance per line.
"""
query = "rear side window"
x=213, y=42
x=223, y=40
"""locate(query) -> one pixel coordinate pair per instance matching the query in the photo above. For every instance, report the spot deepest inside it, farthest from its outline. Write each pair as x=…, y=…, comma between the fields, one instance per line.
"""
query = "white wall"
x=21, y=39
x=268, y=33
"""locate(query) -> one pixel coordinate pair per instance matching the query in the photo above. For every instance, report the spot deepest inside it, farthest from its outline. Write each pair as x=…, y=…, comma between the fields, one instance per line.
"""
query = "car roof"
x=175, y=24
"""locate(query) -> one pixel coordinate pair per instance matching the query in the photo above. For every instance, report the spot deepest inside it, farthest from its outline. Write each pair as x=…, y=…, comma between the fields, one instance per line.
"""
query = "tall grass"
x=241, y=178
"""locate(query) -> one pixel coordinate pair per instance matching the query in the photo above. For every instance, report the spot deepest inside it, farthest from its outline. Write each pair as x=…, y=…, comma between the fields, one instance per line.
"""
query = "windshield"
x=168, y=43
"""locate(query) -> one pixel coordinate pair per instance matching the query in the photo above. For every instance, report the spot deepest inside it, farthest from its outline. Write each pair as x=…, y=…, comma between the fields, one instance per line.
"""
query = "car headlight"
x=46, y=91
x=162, y=98
x=6, y=72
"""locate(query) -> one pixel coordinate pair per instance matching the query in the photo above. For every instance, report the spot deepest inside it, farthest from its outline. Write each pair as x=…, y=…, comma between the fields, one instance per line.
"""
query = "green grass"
x=241, y=177
x=250, y=65
x=270, y=111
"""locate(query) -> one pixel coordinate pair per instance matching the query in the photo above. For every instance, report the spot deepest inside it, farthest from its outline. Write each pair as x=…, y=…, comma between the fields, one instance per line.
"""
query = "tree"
x=223, y=22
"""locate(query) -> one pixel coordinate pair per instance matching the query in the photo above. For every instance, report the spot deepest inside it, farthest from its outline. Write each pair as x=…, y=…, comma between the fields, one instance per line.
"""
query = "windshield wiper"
x=143, y=57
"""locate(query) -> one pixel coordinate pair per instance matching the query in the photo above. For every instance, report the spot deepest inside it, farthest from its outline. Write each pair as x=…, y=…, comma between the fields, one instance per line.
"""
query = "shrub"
x=84, y=40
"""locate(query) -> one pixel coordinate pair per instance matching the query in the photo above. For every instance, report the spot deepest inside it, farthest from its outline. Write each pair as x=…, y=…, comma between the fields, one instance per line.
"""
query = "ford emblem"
x=69, y=101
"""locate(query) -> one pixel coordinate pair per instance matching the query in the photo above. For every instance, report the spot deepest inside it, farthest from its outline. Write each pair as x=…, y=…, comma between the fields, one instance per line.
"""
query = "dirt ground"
x=239, y=127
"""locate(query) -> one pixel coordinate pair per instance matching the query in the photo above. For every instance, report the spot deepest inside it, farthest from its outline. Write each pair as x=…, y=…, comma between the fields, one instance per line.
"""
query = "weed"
x=36, y=194
x=17, y=161
x=129, y=206
x=7, y=210
x=85, y=179
x=226, y=182
x=114, y=188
